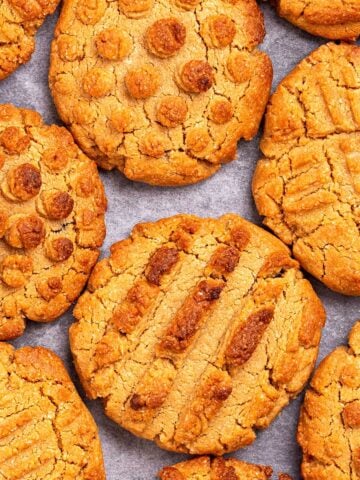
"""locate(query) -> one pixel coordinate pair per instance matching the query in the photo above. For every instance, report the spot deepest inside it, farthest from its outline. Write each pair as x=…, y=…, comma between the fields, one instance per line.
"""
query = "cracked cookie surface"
x=195, y=332
x=330, y=417
x=308, y=185
x=160, y=90
x=19, y=22
x=46, y=432
x=52, y=207
x=206, y=468
x=333, y=19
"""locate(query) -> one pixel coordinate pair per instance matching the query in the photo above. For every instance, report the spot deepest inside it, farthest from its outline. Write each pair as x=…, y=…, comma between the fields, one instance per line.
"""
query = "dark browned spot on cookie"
x=161, y=263
x=165, y=37
x=351, y=415
x=27, y=232
x=171, y=473
x=222, y=471
x=58, y=205
x=152, y=401
x=196, y=76
x=50, y=288
x=60, y=249
x=24, y=181
x=221, y=111
x=224, y=260
x=14, y=140
x=247, y=337
x=241, y=237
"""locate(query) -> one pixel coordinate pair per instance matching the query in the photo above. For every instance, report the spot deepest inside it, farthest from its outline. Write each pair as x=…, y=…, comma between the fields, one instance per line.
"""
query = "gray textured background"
x=126, y=457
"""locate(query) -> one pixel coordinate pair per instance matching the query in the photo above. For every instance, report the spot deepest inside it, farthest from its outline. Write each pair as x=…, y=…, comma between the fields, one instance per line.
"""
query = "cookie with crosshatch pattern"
x=46, y=432
x=162, y=91
x=196, y=332
x=19, y=22
x=206, y=468
x=52, y=207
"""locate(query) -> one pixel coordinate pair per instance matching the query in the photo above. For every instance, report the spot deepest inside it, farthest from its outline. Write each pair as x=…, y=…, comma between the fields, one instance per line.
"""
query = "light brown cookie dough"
x=206, y=468
x=52, y=206
x=46, y=432
x=308, y=185
x=19, y=22
x=329, y=432
x=196, y=332
x=333, y=19
x=162, y=91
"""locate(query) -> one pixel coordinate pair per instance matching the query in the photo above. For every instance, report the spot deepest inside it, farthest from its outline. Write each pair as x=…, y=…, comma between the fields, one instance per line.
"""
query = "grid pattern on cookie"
x=333, y=19
x=206, y=468
x=52, y=208
x=196, y=331
x=161, y=90
x=46, y=432
x=19, y=21
x=330, y=418
x=308, y=186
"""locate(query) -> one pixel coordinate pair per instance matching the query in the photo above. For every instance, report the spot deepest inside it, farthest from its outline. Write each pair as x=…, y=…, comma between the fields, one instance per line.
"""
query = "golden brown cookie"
x=52, y=206
x=206, y=468
x=19, y=22
x=329, y=427
x=333, y=19
x=195, y=332
x=46, y=432
x=162, y=91
x=308, y=185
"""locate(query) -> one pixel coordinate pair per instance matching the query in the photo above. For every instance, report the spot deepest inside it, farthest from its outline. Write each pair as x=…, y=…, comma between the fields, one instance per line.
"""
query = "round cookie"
x=219, y=468
x=308, y=185
x=52, y=206
x=19, y=22
x=162, y=91
x=46, y=430
x=195, y=332
x=333, y=19
x=329, y=423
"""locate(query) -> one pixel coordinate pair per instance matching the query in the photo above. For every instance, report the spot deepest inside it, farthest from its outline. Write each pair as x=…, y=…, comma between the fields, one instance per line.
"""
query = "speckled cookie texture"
x=330, y=418
x=19, y=22
x=195, y=332
x=206, y=468
x=333, y=19
x=52, y=206
x=161, y=90
x=308, y=185
x=46, y=432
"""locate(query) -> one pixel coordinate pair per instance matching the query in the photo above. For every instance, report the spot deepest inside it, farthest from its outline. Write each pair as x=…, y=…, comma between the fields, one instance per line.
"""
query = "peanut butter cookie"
x=206, y=468
x=333, y=19
x=329, y=427
x=52, y=206
x=45, y=429
x=19, y=22
x=162, y=91
x=195, y=332
x=308, y=185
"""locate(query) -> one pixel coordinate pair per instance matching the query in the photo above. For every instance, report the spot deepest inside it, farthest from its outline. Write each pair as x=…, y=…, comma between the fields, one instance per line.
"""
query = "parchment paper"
x=127, y=457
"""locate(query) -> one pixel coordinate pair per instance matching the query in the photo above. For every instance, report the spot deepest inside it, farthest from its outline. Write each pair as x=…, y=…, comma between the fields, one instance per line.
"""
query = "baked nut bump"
x=307, y=184
x=196, y=76
x=218, y=31
x=98, y=82
x=47, y=431
x=113, y=44
x=328, y=430
x=136, y=8
x=19, y=22
x=218, y=468
x=24, y=182
x=172, y=111
x=165, y=37
x=210, y=305
x=14, y=140
x=52, y=208
x=142, y=82
x=160, y=67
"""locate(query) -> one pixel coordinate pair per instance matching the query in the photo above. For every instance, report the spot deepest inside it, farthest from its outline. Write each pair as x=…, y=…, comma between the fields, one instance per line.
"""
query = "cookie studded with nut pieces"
x=308, y=185
x=46, y=430
x=19, y=22
x=329, y=423
x=196, y=332
x=162, y=91
x=52, y=207
x=206, y=468
x=333, y=19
